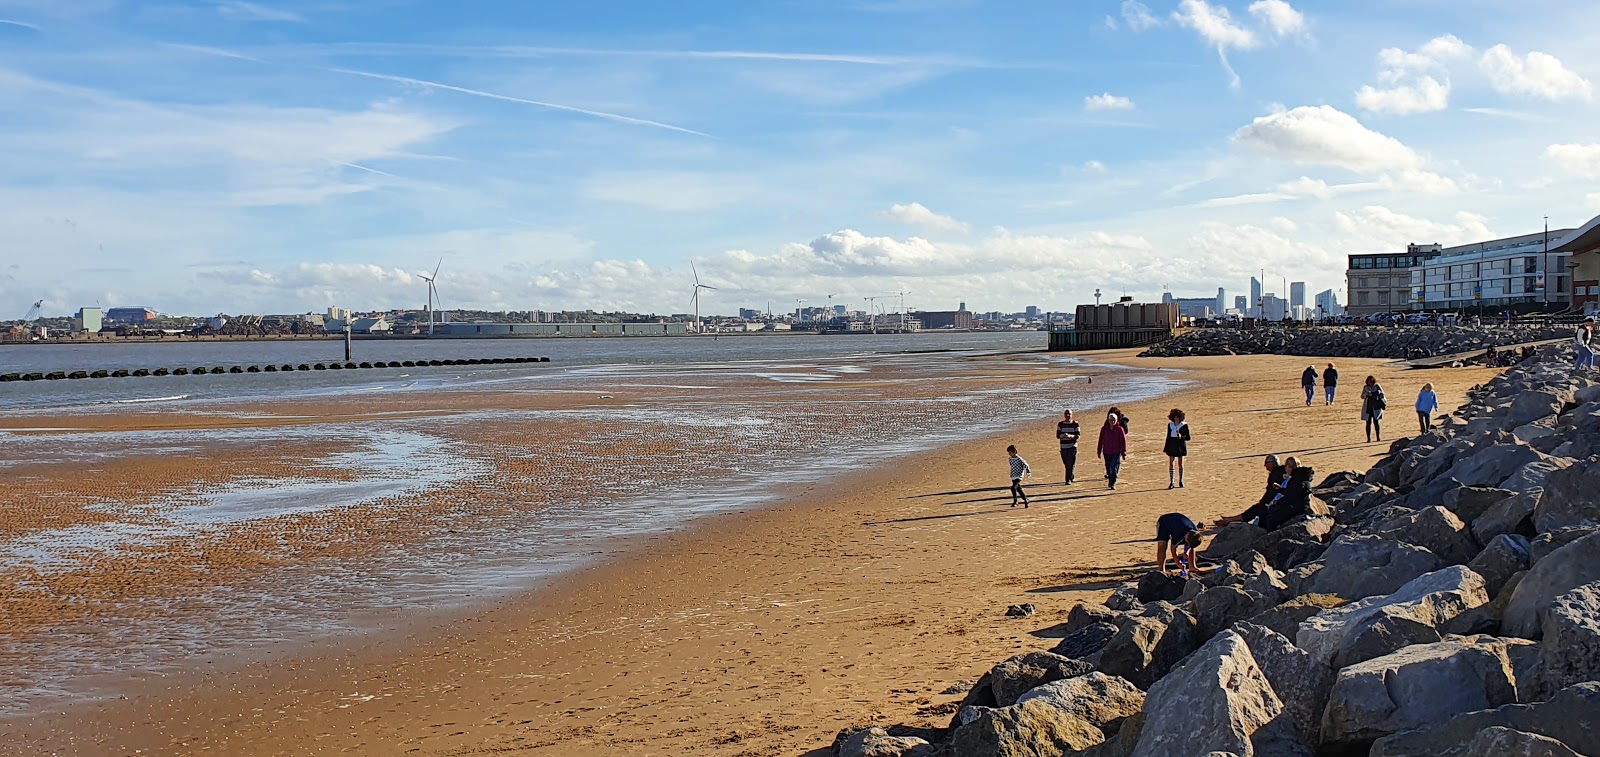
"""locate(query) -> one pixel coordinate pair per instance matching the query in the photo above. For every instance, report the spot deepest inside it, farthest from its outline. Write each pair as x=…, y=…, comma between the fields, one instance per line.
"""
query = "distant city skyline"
x=289, y=155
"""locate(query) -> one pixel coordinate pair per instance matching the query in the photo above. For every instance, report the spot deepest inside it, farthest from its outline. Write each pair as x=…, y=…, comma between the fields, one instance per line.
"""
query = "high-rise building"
x=1255, y=296
x=1222, y=300
x=1033, y=311
x=963, y=306
x=1297, y=294
x=1241, y=303
x=1328, y=304
x=1273, y=307
x=1166, y=298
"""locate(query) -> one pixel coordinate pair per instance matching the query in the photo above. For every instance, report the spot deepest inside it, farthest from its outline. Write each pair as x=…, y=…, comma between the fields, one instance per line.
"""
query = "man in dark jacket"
x=1288, y=497
x=1330, y=382
x=1308, y=382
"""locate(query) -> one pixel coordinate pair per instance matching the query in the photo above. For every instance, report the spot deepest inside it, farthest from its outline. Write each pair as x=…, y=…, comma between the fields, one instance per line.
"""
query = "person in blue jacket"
x=1427, y=405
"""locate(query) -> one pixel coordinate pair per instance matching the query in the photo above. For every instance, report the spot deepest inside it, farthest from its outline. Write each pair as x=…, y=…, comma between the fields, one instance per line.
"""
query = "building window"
x=1361, y=298
x=1383, y=298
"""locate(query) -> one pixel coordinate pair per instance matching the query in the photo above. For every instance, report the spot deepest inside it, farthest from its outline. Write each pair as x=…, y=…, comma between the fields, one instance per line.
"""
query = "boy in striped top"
x=1019, y=469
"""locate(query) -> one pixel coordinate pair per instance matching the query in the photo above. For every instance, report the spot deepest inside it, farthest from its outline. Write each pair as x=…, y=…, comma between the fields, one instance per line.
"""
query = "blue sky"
x=288, y=155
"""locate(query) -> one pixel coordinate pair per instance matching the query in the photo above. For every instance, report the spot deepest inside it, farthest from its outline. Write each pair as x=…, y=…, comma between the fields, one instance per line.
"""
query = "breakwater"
x=203, y=370
x=1397, y=342
x=1445, y=601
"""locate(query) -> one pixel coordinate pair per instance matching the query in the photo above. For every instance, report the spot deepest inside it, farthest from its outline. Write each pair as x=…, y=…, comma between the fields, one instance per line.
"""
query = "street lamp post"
x=1544, y=269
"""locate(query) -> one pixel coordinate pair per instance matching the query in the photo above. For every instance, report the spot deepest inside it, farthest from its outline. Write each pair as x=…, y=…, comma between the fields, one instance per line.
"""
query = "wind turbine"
x=696, y=298
x=432, y=292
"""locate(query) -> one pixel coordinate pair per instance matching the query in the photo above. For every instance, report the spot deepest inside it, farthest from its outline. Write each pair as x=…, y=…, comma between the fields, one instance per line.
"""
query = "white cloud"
x=1279, y=16
x=239, y=10
x=1138, y=16
x=1216, y=27
x=1583, y=160
x=1284, y=225
x=1324, y=135
x=916, y=214
x=1298, y=189
x=1377, y=227
x=1094, y=166
x=1536, y=75
x=1407, y=82
x=1421, y=182
x=670, y=191
x=1426, y=95
x=1107, y=101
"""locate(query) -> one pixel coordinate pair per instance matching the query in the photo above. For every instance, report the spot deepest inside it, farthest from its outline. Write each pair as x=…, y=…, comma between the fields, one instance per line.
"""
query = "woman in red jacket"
x=1113, y=446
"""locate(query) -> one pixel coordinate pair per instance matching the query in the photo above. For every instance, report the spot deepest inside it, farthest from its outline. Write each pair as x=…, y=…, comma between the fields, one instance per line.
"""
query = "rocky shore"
x=1398, y=342
x=1445, y=602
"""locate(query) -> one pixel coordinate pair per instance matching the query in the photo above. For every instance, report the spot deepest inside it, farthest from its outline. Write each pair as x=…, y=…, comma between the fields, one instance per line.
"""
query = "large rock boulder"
x=1376, y=626
x=1571, y=498
x=1505, y=556
x=1231, y=540
x=1014, y=677
x=1570, y=652
x=876, y=742
x=1086, y=643
x=1301, y=681
x=1416, y=687
x=1571, y=717
x=1218, y=607
x=1285, y=619
x=1032, y=729
x=1567, y=568
x=1435, y=528
x=1356, y=567
x=1492, y=464
x=1470, y=502
x=1499, y=741
x=1218, y=700
x=1533, y=475
x=1147, y=647
x=1512, y=515
x=1550, y=541
x=1157, y=586
x=1096, y=698
x=1531, y=406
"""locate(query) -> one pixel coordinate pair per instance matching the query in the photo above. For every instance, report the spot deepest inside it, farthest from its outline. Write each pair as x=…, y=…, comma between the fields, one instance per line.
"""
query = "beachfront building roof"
x=1583, y=245
x=371, y=326
x=1515, y=271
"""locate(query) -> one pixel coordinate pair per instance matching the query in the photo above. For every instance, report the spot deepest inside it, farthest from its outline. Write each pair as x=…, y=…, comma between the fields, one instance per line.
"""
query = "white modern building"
x=1255, y=296
x=1515, y=271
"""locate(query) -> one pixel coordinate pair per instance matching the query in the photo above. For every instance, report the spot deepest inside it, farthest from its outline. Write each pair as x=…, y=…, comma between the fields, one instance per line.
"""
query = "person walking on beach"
x=1176, y=447
x=1586, y=344
x=1174, y=531
x=1112, y=446
x=1373, y=404
x=1427, y=403
x=1122, y=419
x=1068, y=431
x=1019, y=470
x=1308, y=381
x=1330, y=382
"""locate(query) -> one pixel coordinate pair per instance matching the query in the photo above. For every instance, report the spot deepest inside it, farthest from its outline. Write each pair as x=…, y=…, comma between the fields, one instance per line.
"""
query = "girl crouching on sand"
x=1019, y=469
x=1177, y=446
x=1113, y=446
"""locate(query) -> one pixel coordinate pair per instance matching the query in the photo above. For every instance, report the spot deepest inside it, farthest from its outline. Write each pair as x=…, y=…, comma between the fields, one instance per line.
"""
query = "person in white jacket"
x=1585, y=345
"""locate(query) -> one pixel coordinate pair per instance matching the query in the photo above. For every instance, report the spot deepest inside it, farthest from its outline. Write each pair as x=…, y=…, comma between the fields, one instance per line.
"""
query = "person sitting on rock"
x=1292, y=501
x=1176, y=530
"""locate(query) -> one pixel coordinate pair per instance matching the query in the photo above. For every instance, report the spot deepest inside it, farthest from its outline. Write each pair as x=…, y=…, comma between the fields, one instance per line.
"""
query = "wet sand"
x=855, y=601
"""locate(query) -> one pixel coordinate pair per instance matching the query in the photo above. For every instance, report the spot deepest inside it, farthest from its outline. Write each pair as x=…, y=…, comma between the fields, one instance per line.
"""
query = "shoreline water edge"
x=373, y=464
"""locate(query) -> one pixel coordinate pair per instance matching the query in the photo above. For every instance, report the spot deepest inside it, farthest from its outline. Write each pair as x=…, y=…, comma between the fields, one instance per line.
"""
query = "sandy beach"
x=858, y=600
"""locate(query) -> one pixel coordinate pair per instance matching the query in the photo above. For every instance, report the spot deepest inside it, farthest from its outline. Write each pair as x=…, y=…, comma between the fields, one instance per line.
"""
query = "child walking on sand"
x=1427, y=403
x=1177, y=446
x=1019, y=469
x=1112, y=446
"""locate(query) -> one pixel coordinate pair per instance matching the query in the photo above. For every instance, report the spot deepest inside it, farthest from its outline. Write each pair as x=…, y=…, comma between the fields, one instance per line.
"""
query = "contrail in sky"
x=23, y=24
x=507, y=98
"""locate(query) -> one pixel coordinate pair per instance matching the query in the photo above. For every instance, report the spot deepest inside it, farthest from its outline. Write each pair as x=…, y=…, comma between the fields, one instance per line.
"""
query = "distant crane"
x=34, y=312
x=696, y=298
x=433, y=292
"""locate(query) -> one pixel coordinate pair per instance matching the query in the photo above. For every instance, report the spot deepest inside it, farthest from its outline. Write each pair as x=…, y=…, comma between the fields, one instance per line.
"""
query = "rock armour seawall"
x=1445, y=602
x=1404, y=342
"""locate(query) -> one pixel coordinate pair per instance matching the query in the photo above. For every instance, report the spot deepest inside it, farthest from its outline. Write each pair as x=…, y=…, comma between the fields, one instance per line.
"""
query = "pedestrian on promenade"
x=1308, y=381
x=1177, y=446
x=1427, y=403
x=1019, y=469
x=1586, y=345
x=1373, y=404
x=1068, y=431
x=1112, y=446
x=1175, y=531
x=1330, y=383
